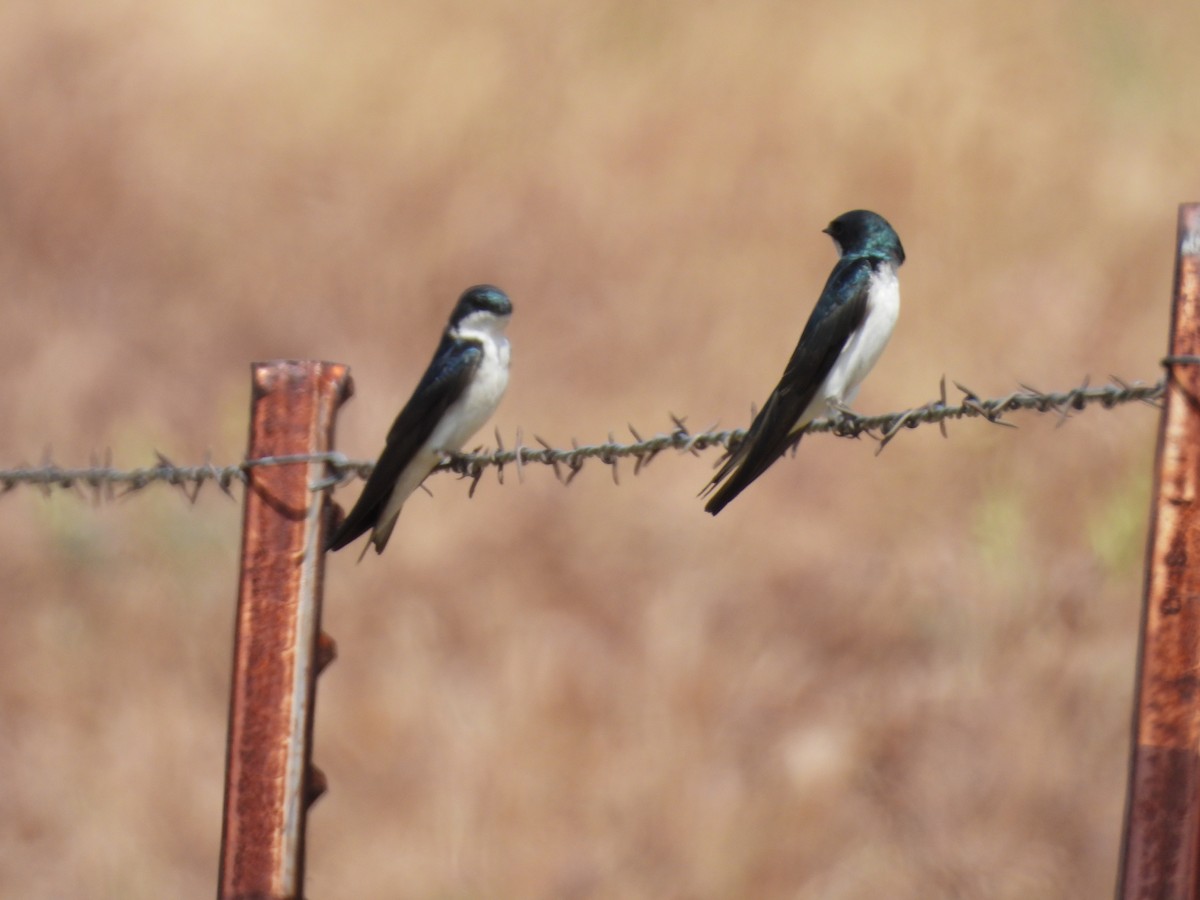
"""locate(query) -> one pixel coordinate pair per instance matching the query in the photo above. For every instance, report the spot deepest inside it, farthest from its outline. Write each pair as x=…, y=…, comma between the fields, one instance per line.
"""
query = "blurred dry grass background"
x=906, y=676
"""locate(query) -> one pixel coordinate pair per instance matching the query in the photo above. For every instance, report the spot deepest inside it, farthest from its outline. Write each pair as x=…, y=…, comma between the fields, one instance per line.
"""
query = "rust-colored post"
x=278, y=645
x=1161, y=852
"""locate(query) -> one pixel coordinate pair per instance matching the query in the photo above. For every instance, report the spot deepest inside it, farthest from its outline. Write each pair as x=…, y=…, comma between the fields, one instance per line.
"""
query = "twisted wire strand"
x=104, y=481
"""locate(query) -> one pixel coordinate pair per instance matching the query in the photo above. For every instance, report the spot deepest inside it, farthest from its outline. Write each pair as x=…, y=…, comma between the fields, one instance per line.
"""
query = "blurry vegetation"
x=905, y=675
x=1117, y=527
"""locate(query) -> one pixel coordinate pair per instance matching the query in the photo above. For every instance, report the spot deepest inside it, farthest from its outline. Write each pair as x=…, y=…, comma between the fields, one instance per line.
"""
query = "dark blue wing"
x=444, y=381
x=839, y=312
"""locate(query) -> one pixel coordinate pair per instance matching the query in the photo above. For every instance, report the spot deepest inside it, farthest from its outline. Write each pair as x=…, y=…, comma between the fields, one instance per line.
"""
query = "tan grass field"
x=905, y=676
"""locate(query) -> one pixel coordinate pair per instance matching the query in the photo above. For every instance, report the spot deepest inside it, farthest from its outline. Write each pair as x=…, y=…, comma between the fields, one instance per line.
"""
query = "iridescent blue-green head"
x=861, y=232
x=482, y=300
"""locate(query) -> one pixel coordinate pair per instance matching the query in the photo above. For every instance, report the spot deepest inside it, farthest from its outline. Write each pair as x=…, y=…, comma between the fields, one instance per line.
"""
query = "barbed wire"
x=102, y=481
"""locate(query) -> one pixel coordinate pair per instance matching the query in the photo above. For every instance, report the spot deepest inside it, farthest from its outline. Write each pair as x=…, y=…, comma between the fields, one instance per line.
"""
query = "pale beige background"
x=903, y=676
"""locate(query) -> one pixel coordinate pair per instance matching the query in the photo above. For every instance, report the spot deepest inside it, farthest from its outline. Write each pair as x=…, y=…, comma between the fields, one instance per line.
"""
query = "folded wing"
x=443, y=383
x=839, y=313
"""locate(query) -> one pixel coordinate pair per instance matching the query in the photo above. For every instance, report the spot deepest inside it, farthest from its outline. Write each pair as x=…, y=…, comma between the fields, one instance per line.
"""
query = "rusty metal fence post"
x=1160, y=856
x=278, y=645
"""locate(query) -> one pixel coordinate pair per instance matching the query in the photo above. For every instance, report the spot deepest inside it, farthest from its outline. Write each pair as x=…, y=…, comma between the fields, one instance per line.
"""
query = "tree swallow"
x=846, y=333
x=457, y=394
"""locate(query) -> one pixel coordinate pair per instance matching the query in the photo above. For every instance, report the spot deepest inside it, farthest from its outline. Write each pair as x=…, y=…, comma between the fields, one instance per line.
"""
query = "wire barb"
x=102, y=481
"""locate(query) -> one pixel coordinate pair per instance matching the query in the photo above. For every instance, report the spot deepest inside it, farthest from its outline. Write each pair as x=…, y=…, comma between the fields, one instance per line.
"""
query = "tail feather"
x=350, y=528
x=742, y=468
x=738, y=482
x=361, y=519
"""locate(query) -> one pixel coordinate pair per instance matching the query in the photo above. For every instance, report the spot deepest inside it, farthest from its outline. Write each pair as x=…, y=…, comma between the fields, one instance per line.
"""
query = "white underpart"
x=466, y=416
x=862, y=351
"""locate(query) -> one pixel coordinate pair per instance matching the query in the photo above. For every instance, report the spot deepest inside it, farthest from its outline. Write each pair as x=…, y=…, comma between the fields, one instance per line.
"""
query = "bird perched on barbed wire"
x=458, y=393
x=846, y=333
